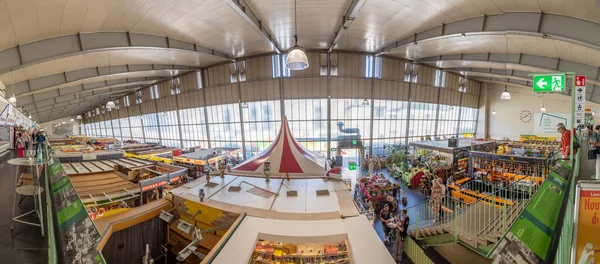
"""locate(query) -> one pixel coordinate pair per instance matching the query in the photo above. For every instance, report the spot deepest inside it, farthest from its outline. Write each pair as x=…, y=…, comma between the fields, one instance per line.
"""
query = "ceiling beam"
x=69, y=81
x=517, y=62
x=347, y=19
x=77, y=44
x=546, y=26
x=242, y=8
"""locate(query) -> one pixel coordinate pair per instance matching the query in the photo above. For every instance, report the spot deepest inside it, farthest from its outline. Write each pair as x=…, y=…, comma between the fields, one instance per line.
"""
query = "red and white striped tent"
x=286, y=156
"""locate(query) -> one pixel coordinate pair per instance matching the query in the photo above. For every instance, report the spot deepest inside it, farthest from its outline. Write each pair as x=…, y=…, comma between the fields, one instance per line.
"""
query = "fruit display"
x=289, y=253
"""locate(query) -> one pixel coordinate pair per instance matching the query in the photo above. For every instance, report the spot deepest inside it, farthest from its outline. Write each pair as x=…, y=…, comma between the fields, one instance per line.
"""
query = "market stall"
x=206, y=159
x=145, y=153
x=154, y=180
x=349, y=240
x=105, y=193
x=375, y=187
x=84, y=154
x=284, y=158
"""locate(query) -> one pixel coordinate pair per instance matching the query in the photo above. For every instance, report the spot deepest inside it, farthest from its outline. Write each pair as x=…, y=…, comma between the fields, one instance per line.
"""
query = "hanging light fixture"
x=72, y=120
x=29, y=116
x=505, y=95
x=296, y=59
x=365, y=102
x=13, y=99
x=79, y=117
x=493, y=111
x=543, y=109
x=110, y=104
x=244, y=105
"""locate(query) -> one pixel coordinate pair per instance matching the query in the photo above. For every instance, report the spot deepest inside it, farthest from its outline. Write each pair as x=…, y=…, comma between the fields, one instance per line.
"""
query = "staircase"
x=476, y=223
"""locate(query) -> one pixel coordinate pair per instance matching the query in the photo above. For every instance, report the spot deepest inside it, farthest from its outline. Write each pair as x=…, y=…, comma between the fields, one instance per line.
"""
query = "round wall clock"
x=526, y=116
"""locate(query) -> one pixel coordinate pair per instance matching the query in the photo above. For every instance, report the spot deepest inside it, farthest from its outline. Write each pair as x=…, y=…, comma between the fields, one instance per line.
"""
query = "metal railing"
x=480, y=213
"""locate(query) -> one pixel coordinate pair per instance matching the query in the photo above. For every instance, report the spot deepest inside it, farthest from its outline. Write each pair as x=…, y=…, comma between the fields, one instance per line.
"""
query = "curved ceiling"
x=44, y=40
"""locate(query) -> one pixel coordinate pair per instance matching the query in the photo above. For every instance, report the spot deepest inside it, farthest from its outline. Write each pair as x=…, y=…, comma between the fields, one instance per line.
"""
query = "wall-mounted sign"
x=546, y=83
x=580, y=81
x=545, y=123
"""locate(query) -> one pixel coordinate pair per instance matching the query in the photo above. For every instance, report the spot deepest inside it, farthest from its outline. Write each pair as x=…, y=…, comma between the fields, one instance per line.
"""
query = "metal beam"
x=242, y=8
x=91, y=75
x=347, y=19
x=77, y=44
x=546, y=26
x=516, y=62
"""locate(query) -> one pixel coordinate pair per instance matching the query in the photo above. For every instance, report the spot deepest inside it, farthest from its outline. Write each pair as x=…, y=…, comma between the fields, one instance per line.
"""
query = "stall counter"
x=363, y=242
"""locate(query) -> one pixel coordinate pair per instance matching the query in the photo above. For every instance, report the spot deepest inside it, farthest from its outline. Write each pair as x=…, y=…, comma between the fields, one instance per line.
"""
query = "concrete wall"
x=69, y=128
x=506, y=121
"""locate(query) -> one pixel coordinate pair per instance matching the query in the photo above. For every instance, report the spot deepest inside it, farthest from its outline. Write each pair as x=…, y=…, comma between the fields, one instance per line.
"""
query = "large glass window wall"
x=193, y=127
x=448, y=121
x=468, y=121
x=224, y=125
x=389, y=125
x=308, y=122
x=261, y=125
x=169, y=129
x=393, y=124
x=350, y=122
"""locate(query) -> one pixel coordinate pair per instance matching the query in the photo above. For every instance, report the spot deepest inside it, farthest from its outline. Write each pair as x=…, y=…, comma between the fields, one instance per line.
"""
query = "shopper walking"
x=384, y=215
x=436, y=200
x=401, y=229
x=20, y=145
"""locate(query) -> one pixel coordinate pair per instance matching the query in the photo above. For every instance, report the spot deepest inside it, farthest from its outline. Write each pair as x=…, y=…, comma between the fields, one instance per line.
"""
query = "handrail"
x=562, y=234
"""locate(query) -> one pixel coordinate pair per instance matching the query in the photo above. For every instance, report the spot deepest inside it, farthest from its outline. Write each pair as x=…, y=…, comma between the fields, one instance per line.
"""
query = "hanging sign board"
x=580, y=81
x=586, y=240
x=546, y=83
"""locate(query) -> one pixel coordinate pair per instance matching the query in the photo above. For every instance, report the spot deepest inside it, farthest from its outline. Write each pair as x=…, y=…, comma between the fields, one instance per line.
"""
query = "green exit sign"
x=354, y=142
x=547, y=83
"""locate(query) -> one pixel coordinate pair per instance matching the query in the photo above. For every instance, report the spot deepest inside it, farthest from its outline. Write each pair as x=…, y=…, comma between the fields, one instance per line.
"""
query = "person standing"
x=26, y=138
x=20, y=145
x=436, y=200
x=384, y=215
x=597, y=145
x=565, y=141
x=401, y=229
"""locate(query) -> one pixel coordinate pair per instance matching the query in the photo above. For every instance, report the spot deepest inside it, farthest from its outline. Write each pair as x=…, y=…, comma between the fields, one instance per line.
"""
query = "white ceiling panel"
x=117, y=57
x=497, y=44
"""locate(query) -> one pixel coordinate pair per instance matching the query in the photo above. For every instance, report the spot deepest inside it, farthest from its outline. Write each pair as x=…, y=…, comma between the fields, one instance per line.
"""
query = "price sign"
x=88, y=156
x=167, y=217
x=184, y=226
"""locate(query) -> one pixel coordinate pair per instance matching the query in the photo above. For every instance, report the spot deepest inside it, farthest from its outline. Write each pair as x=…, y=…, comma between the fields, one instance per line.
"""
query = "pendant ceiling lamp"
x=110, y=104
x=505, y=95
x=72, y=120
x=79, y=117
x=296, y=59
x=29, y=116
x=543, y=109
x=13, y=99
x=493, y=111
x=365, y=102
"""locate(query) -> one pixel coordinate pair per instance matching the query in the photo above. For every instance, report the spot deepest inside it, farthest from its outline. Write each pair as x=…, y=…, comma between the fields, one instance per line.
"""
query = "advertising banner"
x=586, y=242
x=545, y=123
x=529, y=238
